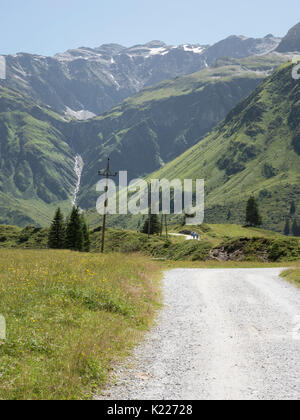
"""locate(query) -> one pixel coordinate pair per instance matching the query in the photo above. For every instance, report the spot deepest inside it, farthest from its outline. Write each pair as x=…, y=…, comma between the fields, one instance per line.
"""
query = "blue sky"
x=50, y=26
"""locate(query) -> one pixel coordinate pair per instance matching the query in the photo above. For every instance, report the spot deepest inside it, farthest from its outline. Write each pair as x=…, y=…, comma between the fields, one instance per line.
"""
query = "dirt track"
x=223, y=334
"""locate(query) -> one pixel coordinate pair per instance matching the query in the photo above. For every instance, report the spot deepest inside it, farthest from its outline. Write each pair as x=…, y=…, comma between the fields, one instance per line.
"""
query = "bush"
x=284, y=249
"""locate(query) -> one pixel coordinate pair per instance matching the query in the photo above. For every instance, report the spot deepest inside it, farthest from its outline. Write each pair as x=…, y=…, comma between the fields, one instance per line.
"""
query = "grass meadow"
x=70, y=318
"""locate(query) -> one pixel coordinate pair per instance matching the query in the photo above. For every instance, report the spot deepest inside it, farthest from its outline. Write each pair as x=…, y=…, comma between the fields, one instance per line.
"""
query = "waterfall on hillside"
x=78, y=167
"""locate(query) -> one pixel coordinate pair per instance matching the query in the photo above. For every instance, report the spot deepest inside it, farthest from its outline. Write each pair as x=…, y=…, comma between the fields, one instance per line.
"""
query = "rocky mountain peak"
x=291, y=42
x=155, y=44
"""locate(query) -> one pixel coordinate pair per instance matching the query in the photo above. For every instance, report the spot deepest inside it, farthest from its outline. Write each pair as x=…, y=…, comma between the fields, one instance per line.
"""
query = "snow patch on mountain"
x=156, y=52
x=115, y=81
x=196, y=49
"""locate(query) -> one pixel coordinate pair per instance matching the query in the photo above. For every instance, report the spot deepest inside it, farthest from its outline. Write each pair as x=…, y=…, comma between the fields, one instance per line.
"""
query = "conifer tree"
x=86, y=235
x=56, y=236
x=74, y=232
x=287, y=229
x=293, y=208
x=296, y=228
x=154, y=225
x=253, y=217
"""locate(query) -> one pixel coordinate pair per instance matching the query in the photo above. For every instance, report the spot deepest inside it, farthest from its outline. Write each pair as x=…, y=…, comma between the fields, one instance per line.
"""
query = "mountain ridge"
x=88, y=81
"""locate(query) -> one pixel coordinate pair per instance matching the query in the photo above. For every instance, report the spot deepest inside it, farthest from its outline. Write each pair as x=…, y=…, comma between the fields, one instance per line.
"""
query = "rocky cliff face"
x=241, y=47
x=291, y=42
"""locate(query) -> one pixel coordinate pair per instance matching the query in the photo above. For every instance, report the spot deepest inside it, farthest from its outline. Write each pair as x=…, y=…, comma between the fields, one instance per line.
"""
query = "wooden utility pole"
x=107, y=175
x=149, y=224
x=161, y=224
x=166, y=222
x=149, y=212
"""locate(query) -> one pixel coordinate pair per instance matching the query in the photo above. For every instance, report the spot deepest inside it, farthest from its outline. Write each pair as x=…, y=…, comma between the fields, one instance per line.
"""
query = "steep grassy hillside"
x=256, y=150
x=36, y=162
x=158, y=124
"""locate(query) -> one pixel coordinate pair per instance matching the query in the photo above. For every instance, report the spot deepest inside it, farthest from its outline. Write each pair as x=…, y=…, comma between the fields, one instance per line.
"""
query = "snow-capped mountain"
x=87, y=81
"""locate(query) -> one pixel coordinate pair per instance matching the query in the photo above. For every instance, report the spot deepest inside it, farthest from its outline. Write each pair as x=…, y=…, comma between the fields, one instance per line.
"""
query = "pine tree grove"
x=74, y=231
x=86, y=235
x=154, y=225
x=56, y=236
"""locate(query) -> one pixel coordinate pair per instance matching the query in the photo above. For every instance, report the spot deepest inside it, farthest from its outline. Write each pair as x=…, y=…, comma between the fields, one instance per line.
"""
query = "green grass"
x=70, y=318
x=213, y=264
x=156, y=246
x=254, y=243
x=293, y=275
x=27, y=238
x=219, y=233
x=260, y=249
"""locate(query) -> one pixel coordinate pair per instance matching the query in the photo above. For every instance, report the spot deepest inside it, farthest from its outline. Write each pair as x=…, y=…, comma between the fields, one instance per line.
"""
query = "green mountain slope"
x=36, y=163
x=37, y=147
x=256, y=150
x=158, y=124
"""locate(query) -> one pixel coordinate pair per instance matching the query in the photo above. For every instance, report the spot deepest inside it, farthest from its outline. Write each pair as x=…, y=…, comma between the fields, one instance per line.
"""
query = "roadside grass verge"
x=168, y=265
x=70, y=318
x=293, y=275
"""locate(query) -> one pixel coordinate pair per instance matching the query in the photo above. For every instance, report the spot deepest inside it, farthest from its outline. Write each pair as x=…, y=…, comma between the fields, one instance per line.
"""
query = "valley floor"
x=223, y=334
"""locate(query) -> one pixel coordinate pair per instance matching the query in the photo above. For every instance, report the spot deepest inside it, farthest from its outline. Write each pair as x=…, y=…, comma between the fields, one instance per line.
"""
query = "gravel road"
x=187, y=237
x=223, y=334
